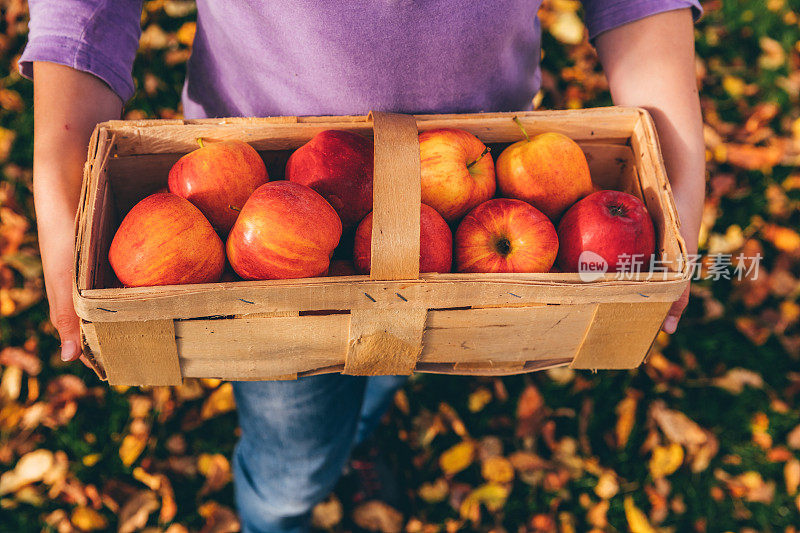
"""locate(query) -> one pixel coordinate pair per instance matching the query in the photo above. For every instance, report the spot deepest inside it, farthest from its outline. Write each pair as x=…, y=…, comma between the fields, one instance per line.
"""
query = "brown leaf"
x=676, y=426
x=217, y=471
x=136, y=511
x=327, y=514
x=530, y=411
x=27, y=361
x=434, y=492
x=30, y=468
x=219, y=519
x=375, y=515
x=607, y=485
x=596, y=515
x=735, y=380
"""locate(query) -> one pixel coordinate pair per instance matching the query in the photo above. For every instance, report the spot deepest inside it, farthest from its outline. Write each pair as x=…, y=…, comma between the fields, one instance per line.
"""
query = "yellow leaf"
x=733, y=86
x=457, y=458
x=91, y=459
x=791, y=474
x=218, y=402
x=626, y=416
x=479, y=399
x=637, y=520
x=491, y=495
x=567, y=28
x=186, y=33
x=497, y=470
x=665, y=460
x=132, y=447
x=87, y=519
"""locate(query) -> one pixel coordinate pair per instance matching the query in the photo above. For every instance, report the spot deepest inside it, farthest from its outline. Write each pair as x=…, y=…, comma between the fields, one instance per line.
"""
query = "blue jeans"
x=296, y=438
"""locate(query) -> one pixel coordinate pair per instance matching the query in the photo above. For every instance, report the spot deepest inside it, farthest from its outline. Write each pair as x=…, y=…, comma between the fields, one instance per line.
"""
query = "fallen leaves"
x=457, y=458
x=378, y=516
x=665, y=460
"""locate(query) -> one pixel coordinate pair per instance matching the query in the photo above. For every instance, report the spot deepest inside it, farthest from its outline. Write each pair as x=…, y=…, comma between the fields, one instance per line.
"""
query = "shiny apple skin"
x=217, y=176
x=165, y=240
x=338, y=165
x=435, y=243
x=532, y=239
x=610, y=224
x=285, y=230
x=448, y=185
x=549, y=172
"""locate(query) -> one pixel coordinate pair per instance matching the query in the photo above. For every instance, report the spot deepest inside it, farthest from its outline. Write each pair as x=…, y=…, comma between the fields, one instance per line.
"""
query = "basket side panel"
x=505, y=336
x=139, y=353
x=621, y=335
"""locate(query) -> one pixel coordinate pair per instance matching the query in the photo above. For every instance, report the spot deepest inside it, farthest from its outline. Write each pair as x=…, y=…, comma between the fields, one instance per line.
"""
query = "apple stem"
x=521, y=127
x=486, y=151
x=200, y=141
x=237, y=209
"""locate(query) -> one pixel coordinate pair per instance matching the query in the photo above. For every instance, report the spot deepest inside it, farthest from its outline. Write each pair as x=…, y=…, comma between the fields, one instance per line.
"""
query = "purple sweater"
x=322, y=57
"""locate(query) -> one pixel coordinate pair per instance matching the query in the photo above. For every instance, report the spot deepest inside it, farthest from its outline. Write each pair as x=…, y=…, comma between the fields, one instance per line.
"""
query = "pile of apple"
x=503, y=213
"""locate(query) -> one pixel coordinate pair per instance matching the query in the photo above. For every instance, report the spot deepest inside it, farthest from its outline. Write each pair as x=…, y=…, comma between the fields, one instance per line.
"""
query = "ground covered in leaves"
x=705, y=437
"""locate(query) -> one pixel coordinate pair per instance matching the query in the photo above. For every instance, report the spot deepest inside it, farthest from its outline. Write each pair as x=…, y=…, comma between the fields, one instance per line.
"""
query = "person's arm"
x=650, y=63
x=80, y=54
x=67, y=105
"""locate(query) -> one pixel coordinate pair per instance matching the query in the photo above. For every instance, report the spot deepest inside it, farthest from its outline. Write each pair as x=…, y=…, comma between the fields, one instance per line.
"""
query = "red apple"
x=457, y=172
x=505, y=235
x=285, y=230
x=614, y=225
x=165, y=240
x=216, y=176
x=549, y=171
x=338, y=165
x=435, y=243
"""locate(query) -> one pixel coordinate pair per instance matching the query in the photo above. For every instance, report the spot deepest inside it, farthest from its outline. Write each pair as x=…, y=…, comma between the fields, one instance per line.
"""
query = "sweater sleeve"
x=604, y=15
x=95, y=36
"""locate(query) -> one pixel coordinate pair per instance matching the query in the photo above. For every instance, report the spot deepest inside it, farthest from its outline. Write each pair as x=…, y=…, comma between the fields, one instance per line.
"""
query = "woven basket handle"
x=396, y=198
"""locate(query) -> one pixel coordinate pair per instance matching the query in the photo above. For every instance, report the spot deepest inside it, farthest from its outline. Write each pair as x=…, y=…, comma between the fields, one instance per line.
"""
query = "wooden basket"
x=394, y=321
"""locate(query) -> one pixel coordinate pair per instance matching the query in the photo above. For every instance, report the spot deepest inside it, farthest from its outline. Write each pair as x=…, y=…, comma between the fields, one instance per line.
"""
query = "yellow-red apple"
x=165, y=240
x=505, y=235
x=435, y=243
x=457, y=171
x=216, y=176
x=338, y=165
x=285, y=230
x=549, y=171
x=609, y=226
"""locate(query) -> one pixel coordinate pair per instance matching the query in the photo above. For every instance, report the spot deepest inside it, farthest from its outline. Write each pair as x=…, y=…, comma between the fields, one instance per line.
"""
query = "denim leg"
x=296, y=438
x=377, y=398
